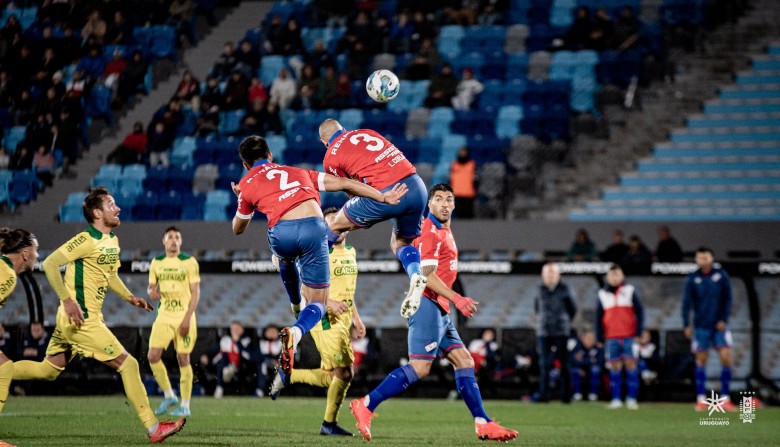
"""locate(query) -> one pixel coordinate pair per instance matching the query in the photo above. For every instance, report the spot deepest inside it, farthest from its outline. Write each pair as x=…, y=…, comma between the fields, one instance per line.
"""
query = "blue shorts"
x=305, y=241
x=620, y=348
x=407, y=215
x=431, y=332
x=703, y=339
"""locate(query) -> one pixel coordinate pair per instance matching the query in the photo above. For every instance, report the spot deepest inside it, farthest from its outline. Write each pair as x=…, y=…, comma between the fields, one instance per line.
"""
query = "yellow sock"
x=6, y=375
x=29, y=370
x=134, y=389
x=336, y=394
x=185, y=382
x=316, y=377
x=161, y=376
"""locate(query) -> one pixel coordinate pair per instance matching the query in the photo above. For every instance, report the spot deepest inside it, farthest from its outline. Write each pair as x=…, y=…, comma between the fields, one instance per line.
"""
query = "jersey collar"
x=435, y=221
x=7, y=261
x=335, y=135
x=261, y=162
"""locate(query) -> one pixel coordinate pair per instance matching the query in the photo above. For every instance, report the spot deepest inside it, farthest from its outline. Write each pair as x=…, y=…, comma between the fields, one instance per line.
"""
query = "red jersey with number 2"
x=437, y=248
x=367, y=157
x=275, y=189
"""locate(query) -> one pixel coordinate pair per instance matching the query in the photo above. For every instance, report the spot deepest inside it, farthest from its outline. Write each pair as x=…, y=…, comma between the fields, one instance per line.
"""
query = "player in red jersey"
x=368, y=157
x=431, y=331
x=296, y=228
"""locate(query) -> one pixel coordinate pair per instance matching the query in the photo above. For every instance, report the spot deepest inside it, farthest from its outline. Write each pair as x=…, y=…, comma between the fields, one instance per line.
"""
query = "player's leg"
x=407, y=225
x=562, y=353
x=159, y=339
x=336, y=353
x=58, y=353
x=700, y=345
x=184, y=346
x=632, y=374
x=614, y=359
x=595, y=381
x=545, y=364
x=291, y=279
x=6, y=375
x=722, y=342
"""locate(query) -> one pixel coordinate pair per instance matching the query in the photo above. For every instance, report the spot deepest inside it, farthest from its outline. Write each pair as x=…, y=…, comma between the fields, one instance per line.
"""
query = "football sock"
x=595, y=379
x=336, y=394
x=29, y=370
x=701, y=377
x=291, y=279
x=616, y=382
x=469, y=391
x=576, y=381
x=410, y=259
x=185, y=382
x=161, y=376
x=632, y=382
x=332, y=237
x=315, y=377
x=6, y=375
x=309, y=317
x=725, y=381
x=135, y=391
x=395, y=383
x=185, y=403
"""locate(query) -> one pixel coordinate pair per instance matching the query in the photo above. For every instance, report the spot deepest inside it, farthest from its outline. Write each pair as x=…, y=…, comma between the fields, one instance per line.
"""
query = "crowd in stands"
x=634, y=253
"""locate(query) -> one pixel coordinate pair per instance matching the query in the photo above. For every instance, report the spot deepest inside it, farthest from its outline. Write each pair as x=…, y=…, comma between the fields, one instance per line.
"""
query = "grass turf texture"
x=109, y=421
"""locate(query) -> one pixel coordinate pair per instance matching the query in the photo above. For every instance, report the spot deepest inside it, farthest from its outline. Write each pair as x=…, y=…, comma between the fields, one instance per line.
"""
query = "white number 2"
x=372, y=143
x=283, y=185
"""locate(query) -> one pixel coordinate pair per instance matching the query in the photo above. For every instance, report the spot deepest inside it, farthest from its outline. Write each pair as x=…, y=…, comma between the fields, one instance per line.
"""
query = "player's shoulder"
x=158, y=259
x=185, y=256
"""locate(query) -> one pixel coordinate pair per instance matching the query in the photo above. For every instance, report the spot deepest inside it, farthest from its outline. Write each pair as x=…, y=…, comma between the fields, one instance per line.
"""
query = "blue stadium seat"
x=144, y=208
x=156, y=179
x=163, y=42
x=230, y=122
x=98, y=103
x=14, y=136
x=71, y=213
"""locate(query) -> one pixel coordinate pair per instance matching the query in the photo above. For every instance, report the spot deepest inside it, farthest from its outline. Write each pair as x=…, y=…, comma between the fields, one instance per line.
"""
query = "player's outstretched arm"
x=467, y=306
x=116, y=284
x=392, y=197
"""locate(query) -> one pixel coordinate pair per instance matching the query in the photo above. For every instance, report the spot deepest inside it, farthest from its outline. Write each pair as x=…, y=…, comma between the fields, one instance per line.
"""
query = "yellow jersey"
x=343, y=279
x=7, y=279
x=92, y=261
x=174, y=274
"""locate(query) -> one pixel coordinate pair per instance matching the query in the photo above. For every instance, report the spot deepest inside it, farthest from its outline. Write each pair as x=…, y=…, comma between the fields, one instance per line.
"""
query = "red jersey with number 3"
x=367, y=157
x=275, y=189
x=437, y=248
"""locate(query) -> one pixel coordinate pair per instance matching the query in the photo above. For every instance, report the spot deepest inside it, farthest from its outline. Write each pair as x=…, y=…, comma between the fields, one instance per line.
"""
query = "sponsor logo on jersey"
x=76, y=242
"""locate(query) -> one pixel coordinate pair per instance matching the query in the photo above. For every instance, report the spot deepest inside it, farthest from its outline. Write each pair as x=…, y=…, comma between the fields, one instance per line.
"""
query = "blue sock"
x=410, y=259
x=632, y=377
x=291, y=279
x=332, y=237
x=576, y=381
x=310, y=316
x=700, y=377
x=469, y=391
x=616, y=383
x=394, y=384
x=725, y=381
x=595, y=379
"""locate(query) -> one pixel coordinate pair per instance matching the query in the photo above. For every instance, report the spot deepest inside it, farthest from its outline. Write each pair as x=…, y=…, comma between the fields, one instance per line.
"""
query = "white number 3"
x=283, y=185
x=372, y=143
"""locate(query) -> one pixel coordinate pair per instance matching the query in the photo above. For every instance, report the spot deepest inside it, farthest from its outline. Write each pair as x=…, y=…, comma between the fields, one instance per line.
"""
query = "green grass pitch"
x=109, y=421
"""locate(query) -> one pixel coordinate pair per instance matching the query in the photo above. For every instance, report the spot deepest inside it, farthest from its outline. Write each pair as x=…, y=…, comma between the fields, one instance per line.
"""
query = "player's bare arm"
x=361, y=328
x=392, y=197
x=467, y=306
x=240, y=225
x=184, y=327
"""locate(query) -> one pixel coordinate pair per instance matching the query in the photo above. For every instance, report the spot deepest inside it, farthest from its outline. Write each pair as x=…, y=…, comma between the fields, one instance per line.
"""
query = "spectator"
x=667, y=250
x=44, y=164
x=235, y=349
x=50, y=104
x=23, y=108
x=291, y=39
x=442, y=88
x=418, y=69
x=77, y=85
x=236, y=91
x=431, y=54
x=247, y=59
x=257, y=91
x=463, y=172
x=69, y=47
x=160, y=141
x=326, y=93
x=358, y=59
x=133, y=147
x=283, y=90
x=272, y=120
x=586, y=359
x=35, y=342
x=212, y=93
x=484, y=351
x=11, y=28
x=226, y=62
x=5, y=159
x=619, y=321
x=649, y=360
x=627, y=28
x=114, y=69
x=7, y=343
x=401, y=32
x=47, y=67
x=56, y=83
x=601, y=32
x=95, y=27
x=208, y=118
x=578, y=34
x=319, y=57
x=7, y=89
x=638, y=254
x=424, y=29
x=268, y=354
x=180, y=13
x=468, y=89
x=118, y=31
x=582, y=249
x=359, y=349
x=273, y=36
x=132, y=79
x=308, y=87
x=466, y=15
x=555, y=309
x=21, y=159
x=617, y=250
x=343, y=91
x=189, y=87
x=489, y=16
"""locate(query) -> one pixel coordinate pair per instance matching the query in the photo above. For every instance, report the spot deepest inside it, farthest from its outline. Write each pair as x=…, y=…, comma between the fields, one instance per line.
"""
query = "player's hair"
x=704, y=249
x=171, y=228
x=330, y=210
x=13, y=241
x=614, y=267
x=445, y=187
x=253, y=148
x=94, y=201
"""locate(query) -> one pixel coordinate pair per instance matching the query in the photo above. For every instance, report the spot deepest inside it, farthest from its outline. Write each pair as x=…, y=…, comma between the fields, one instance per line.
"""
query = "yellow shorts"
x=92, y=340
x=164, y=332
x=334, y=345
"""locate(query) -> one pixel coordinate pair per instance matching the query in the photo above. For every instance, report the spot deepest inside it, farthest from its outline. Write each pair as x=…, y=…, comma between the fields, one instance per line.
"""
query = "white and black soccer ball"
x=383, y=85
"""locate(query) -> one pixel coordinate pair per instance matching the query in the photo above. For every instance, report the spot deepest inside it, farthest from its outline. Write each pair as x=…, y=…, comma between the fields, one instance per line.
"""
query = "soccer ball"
x=383, y=85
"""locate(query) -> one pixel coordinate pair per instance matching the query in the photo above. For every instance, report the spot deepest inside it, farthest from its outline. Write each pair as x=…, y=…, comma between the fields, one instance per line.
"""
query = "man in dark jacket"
x=555, y=310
